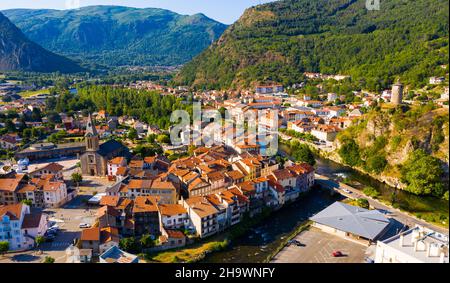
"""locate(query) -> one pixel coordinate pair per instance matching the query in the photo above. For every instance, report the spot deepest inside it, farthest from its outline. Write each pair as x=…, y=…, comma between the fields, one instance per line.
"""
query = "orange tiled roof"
x=117, y=161
x=109, y=234
x=235, y=174
x=145, y=204
x=11, y=184
x=201, y=206
x=282, y=174
x=90, y=234
x=171, y=209
x=109, y=200
x=14, y=211
x=175, y=234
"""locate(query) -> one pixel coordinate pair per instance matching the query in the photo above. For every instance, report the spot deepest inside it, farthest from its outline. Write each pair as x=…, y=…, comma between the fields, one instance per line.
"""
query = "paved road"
x=400, y=216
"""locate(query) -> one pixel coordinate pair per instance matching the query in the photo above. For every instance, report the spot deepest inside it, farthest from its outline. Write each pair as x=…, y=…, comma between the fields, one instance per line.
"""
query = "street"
x=398, y=215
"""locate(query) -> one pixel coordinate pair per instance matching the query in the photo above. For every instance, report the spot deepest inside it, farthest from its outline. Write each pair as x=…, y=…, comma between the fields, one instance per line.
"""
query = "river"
x=257, y=244
x=260, y=242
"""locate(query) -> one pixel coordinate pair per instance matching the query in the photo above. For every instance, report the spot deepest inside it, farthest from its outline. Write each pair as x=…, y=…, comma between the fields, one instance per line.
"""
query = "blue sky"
x=225, y=11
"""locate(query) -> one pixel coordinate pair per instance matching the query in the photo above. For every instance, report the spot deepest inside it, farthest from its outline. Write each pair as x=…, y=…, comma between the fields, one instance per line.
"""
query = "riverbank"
x=402, y=216
x=285, y=241
x=430, y=209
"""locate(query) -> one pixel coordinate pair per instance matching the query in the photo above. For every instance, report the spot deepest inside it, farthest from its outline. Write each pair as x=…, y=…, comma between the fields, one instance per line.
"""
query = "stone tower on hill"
x=397, y=94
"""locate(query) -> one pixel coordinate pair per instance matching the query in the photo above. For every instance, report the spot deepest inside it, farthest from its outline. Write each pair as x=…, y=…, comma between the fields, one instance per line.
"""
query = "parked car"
x=54, y=227
x=337, y=254
x=295, y=242
x=347, y=191
x=50, y=238
x=85, y=225
x=51, y=232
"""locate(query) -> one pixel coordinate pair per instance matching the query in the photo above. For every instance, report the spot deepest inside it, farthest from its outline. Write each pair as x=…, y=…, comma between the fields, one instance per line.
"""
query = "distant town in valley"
x=89, y=171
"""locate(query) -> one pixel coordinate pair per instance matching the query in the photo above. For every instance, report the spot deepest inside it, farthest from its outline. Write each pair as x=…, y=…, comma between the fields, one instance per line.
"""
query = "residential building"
x=416, y=245
x=173, y=216
x=8, y=142
x=325, y=132
x=145, y=216
x=53, y=168
x=19, y=226
x=99, y=239
x=202, y=214
x=116, y=163
x=116, y=255
x=8, y=188
x=171, y=239
x=45, y=192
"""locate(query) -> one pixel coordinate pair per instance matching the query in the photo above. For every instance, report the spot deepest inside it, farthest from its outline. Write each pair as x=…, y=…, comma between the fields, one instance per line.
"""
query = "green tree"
x=422, y=174
x=163, y=138
x=371, y=192
x=27, y=202
x=49, y=259
x=362, y=202
x=39, y=240
x=376, y=163
x=350, y=154
x=301, y=152
x=130, y=245
x=146, y=241
x=4, y=247
x=77, y=178
x=132, y=134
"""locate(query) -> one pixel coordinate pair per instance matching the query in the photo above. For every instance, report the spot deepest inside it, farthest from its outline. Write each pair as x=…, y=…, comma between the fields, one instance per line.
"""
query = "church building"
x=94, y=160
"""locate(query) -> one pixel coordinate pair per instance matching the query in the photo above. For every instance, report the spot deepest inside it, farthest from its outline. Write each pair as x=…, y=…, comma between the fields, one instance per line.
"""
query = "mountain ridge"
x=119, y=35
x=18, y=53
x=281, y=40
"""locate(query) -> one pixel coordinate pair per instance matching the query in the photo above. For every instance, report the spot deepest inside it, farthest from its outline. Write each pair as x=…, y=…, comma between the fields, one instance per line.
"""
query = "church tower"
x=91, y=136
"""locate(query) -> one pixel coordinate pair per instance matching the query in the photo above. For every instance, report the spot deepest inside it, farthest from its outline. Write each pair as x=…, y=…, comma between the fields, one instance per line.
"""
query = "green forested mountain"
x=18, y=53
x=281, y=40
x=112, y=35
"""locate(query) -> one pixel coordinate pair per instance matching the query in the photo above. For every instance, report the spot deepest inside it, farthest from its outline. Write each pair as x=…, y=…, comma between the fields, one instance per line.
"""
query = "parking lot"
x=318, y=246
x=68, y=221
x=69, y=164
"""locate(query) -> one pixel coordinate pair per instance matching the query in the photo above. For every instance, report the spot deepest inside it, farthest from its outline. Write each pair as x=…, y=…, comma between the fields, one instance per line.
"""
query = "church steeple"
x=91, y=136
x=90, y=127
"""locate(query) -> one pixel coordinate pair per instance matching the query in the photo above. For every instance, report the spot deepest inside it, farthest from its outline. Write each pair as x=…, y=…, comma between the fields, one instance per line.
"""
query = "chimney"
x=402, y=239
x=442, y=257
x=428, y=249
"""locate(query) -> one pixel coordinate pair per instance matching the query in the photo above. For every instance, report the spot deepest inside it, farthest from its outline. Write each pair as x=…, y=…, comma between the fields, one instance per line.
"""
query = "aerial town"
x=229, y=139
x=82, y=191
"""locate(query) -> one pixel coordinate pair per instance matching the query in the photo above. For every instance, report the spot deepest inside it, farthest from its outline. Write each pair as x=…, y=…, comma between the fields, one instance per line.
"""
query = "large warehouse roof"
x=356, y=220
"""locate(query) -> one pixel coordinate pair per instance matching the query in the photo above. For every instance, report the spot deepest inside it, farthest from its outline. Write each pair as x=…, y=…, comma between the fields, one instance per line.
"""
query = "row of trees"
x=147, y=106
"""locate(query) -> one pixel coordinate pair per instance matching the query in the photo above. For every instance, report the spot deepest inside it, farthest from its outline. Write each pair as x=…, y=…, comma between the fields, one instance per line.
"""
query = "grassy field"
x=31, y=93
x=194, y=253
